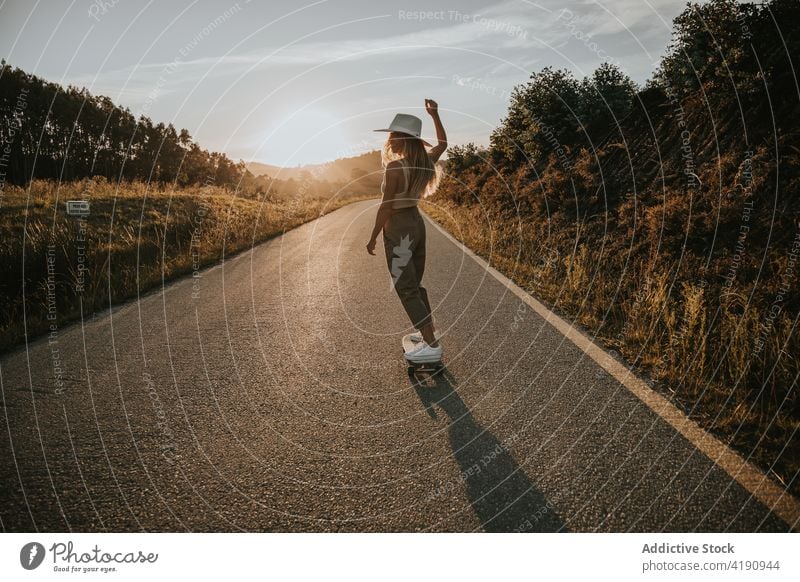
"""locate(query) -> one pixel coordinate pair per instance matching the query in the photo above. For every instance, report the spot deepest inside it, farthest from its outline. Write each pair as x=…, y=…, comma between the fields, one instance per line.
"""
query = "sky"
x=295, y=82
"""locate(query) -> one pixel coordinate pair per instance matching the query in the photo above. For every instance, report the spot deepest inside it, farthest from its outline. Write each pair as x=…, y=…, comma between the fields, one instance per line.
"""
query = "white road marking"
x=754, y=480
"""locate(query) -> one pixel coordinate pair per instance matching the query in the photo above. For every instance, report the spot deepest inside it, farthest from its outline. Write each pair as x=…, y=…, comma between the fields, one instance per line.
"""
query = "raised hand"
x=433, y=109
x=431, y=106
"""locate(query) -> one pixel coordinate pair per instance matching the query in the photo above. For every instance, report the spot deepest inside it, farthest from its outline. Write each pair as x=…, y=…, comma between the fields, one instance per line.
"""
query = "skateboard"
x=431, y=368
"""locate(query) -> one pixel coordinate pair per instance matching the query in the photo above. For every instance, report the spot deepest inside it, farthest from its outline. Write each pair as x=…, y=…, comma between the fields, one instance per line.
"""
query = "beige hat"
x=408, y=124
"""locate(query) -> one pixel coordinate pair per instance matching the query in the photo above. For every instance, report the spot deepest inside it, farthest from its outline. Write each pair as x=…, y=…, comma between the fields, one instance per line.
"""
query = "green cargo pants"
x=404, y=243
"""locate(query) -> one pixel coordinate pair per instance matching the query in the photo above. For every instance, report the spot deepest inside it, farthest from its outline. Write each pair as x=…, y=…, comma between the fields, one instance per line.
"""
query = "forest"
x=67, y=134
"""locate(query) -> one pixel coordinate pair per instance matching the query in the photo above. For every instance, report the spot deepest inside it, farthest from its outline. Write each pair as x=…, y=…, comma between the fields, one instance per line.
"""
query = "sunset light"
x=428, y=267
x=307, y=136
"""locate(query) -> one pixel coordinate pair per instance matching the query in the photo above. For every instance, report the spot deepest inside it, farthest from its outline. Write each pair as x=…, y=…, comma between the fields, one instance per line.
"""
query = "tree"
x=709, y=46
x=460, y=158
x=543, y=116
x=606, y=98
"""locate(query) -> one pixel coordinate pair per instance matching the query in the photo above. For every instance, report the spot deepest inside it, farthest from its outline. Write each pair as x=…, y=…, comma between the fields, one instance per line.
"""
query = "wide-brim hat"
x=408, y=124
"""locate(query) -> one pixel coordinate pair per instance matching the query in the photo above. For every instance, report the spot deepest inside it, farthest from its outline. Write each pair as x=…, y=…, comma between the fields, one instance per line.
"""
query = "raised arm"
x=436, y=152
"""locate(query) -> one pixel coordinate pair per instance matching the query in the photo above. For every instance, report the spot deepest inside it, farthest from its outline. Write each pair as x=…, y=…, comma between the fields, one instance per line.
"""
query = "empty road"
x=269, y=394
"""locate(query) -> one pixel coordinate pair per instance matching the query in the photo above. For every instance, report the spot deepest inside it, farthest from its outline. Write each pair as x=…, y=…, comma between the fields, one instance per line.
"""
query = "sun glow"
x=309, y=136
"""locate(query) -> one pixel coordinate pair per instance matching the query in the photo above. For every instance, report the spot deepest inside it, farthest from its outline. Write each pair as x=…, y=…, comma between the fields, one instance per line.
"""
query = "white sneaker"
x=424, y=354
x=416, y=337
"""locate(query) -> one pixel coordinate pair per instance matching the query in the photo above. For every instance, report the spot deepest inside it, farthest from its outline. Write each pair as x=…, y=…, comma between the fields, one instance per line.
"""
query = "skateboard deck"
x=413, y=367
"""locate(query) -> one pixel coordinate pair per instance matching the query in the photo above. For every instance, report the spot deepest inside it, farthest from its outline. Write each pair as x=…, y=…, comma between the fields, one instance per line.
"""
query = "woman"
x=409, y=175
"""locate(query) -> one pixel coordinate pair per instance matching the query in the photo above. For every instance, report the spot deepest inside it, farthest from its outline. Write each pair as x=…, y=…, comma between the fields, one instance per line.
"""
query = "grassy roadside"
x=56, y=267
x=670, y=335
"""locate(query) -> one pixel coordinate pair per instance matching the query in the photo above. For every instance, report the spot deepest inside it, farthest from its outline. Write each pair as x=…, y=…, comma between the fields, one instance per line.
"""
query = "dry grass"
x=697, y=344
x=136, y=236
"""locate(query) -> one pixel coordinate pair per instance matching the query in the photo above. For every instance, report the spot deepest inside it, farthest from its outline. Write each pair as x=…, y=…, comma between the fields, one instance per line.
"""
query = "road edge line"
x=780, y=502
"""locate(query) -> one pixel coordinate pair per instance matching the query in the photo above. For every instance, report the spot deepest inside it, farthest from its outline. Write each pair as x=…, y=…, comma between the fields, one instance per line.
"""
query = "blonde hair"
x=423, y=175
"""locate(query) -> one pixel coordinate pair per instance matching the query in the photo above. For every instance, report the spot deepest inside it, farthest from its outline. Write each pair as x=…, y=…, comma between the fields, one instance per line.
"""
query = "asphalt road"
x=270, y=394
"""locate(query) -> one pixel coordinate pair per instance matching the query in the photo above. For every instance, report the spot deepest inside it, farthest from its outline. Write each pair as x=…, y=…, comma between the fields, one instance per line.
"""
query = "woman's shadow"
x=502, y=496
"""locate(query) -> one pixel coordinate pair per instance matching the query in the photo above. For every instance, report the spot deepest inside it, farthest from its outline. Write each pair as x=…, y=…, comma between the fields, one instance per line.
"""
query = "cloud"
x=503, y=27
x=497, y=45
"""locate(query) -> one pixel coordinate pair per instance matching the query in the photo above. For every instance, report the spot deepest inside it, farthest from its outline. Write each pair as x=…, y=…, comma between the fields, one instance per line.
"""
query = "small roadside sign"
x=78, y=208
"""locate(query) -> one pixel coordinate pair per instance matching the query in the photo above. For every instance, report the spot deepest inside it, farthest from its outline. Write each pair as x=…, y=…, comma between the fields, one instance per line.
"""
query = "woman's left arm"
x=441, y=137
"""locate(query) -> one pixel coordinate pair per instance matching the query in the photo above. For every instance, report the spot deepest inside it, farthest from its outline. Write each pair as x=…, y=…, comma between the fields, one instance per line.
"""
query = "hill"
x=340, y=170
